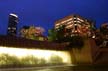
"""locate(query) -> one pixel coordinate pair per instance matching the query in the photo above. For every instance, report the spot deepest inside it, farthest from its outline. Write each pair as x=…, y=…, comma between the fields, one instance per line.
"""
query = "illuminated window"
x=69, y=19
x=75, y=21
x=69, y=26
x=80, y=19
x=69, y=23
x=57, y=24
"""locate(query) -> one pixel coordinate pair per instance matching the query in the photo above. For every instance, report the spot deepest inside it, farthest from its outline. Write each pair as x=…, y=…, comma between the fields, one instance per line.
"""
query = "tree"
x=57, y=34
x=24, y=31
x=104, y=29
x=52, y=35
x=104, y=32
x=98, y=37
x=76, y=42
x=61, y=33
x=31, y=32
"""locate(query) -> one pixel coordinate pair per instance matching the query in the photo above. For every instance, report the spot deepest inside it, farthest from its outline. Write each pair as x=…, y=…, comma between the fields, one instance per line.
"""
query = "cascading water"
x=10, y=56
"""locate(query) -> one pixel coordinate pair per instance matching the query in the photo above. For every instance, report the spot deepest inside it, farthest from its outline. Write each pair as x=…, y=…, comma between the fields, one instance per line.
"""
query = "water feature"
x=61, y=68
x=23, y=57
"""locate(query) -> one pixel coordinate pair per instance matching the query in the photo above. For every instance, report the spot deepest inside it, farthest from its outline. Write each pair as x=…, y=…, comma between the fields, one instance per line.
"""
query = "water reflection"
x=66, y=68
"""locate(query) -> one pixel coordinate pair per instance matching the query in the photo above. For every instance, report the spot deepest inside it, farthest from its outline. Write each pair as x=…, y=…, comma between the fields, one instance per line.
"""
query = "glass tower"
x=12, y=25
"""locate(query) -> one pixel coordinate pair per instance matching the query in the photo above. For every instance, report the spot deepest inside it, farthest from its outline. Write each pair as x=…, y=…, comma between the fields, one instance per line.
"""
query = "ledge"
x=19, y=42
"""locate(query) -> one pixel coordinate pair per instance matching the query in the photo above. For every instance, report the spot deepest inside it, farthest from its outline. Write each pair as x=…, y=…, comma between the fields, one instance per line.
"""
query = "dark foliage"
x=104, y=29
x=76, y=41
x=58, y=35
x=99, y=42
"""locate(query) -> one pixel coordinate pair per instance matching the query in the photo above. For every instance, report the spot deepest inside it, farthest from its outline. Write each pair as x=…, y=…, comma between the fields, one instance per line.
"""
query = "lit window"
x=14, y=28
x=57, y=24
x=80, y=19
x=69, y=26
x=75, y=21
x=75, y=24
x=9, y=28
x=69, y=22
x=63, y=21
x=69, y=19
x=75, y=18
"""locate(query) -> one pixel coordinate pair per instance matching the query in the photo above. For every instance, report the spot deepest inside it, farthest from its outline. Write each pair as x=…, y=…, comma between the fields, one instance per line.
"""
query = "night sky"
x=45, y=12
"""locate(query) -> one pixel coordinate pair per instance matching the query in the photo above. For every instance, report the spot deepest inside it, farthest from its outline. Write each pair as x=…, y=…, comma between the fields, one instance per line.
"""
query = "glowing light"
x=14, y=15
x=57, y=24
x=69, y=26
x=69, y=23
x=46, y=54
x=93, y=36
x=80, y=19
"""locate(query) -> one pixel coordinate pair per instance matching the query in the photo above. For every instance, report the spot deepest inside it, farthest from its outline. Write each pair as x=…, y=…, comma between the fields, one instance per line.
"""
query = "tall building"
x=12, y=24
x=77, y=24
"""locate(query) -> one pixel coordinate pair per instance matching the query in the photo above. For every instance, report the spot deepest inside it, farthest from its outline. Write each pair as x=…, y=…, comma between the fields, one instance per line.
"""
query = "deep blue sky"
x=45, y=12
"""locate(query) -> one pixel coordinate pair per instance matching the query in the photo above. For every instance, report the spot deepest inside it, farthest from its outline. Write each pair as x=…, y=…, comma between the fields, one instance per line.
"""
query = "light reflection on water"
x=66, y=68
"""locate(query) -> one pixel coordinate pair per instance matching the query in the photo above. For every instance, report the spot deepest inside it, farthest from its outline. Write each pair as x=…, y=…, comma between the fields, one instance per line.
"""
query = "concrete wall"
x=82, y=56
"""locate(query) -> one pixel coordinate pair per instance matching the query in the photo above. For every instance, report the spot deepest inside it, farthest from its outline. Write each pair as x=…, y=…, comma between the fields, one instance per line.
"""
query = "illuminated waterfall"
x=32, y=56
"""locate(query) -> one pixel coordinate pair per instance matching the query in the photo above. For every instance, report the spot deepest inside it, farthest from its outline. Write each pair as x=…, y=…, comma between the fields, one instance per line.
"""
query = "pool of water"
x=62, y=68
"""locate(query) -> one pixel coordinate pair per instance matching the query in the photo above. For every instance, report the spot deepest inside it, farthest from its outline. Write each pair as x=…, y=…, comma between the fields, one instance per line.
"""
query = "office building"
x=12, y=25
x=77, y=24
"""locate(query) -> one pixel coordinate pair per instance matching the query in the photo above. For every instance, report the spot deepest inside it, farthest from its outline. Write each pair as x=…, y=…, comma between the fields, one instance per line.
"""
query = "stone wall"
x=84, y=55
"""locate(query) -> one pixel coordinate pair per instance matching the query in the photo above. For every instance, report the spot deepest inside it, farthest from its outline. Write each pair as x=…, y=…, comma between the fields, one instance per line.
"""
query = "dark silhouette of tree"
x=76, y=42
x=104, y=29
x=52, y=35
x=61, y=33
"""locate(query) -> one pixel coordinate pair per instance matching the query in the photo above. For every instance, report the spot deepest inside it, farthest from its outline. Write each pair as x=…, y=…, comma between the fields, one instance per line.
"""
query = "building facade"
x=77, y=24
x=12, y=24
